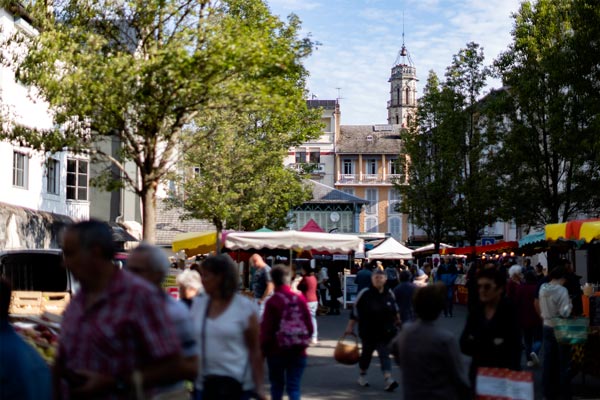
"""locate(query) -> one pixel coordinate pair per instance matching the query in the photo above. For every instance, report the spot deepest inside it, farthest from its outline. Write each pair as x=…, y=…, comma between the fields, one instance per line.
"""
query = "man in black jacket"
x=376, y=313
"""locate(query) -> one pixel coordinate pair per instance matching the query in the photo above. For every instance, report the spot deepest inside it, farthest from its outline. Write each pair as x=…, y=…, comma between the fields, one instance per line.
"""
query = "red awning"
x=490, y=248
x=311, y=226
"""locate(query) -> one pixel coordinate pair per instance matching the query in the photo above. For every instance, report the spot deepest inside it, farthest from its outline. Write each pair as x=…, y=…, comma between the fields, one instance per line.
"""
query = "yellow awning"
x=556, y=231
x=582, y=229
x=194, y=243
x=590, y=231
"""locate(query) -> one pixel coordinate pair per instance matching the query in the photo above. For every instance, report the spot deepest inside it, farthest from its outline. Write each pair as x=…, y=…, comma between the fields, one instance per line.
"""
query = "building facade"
x=37, y=189
x=332, y=209
x=367, y=167
x=318, y=156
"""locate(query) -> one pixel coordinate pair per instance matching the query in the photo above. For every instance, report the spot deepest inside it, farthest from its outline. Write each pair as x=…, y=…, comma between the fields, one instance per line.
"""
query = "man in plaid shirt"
x=116, y=329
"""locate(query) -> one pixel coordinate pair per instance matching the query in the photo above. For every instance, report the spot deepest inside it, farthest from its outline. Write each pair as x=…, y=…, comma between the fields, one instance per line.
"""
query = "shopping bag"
x=571, y=330
x=347, y=353
x=503, y=384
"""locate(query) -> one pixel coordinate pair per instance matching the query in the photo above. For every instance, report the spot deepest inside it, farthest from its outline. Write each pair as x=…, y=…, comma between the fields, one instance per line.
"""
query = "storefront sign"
x=340, y=257
x=350, y=289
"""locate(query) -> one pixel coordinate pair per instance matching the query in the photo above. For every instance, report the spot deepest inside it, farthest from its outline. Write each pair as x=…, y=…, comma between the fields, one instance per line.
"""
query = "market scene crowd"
x=122, y=335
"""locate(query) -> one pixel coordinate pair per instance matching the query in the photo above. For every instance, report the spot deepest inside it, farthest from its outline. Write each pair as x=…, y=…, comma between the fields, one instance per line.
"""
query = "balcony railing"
x=366, y=179
x=313, y=168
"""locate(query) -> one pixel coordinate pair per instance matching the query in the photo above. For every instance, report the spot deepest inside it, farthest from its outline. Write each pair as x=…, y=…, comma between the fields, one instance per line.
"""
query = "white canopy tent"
x=431, y=246
x=294, y=239
x=390, y=249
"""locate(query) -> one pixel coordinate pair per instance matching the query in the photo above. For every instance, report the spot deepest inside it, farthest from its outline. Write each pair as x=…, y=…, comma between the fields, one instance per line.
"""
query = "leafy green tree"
x=143, y=71
x=550, y=147
x=476, y=186
x=432, y=150
x=241, y=181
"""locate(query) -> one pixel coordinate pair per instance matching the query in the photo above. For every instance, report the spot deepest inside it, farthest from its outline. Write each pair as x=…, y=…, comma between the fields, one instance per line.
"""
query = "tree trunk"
x=219, y=244
x=149, y=215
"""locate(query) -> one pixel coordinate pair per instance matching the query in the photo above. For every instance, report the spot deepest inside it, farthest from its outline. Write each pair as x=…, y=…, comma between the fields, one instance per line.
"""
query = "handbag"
x=571, y=330
x=217, y=387
x=347, y=353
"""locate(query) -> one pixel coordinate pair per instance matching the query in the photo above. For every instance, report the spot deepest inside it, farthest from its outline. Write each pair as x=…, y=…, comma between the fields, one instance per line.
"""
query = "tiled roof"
x=326, y=104
x=369, y=139
x=327, y=194
x=169, y=224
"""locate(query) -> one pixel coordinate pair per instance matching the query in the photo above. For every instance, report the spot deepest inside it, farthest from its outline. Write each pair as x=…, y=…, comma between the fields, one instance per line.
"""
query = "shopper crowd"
x=122, y=336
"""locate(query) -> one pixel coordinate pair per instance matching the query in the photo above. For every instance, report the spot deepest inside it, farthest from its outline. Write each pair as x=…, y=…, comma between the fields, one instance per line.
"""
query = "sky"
x=359, y=41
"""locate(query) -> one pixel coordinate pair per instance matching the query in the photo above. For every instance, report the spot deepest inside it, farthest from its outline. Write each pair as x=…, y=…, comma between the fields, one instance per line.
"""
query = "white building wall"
x=325, y=144
x=21, y=105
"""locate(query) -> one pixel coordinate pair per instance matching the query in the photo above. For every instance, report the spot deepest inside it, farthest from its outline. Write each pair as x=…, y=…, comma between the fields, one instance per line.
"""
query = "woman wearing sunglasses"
x=491, y=335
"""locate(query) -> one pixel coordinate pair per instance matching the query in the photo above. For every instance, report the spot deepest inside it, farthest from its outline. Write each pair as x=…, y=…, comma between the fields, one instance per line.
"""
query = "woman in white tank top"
x=228, y=333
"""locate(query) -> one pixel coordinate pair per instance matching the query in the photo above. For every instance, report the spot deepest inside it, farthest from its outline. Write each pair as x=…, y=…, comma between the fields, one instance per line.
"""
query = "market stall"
x=331, y=242
x=194, y=243
x=390, y=249
x=580, y=239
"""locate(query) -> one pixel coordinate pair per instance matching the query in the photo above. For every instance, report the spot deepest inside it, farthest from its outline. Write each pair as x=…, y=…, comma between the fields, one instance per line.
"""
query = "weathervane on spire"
x=403, y=57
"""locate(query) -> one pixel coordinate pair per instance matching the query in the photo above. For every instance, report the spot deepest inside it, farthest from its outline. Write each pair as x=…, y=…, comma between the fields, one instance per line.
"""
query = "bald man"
x=262, y=286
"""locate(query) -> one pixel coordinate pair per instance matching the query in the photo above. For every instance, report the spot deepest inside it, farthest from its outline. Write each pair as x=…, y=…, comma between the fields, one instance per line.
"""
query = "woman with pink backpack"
x=285, y=333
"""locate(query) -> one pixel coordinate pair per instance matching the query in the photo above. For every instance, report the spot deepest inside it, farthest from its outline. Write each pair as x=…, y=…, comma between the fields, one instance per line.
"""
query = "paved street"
x=326, y=379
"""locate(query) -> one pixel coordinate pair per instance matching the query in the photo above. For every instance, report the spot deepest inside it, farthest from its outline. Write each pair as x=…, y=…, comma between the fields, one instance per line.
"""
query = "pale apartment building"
x=39, y=192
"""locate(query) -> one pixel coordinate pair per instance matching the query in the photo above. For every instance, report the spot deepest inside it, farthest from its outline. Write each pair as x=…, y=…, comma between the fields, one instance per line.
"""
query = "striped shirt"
x=125, y=329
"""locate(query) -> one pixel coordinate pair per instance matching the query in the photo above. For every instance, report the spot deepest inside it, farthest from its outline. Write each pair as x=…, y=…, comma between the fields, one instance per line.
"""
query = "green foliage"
x=145, y=70
x=451, y=177
x=432, y=149
x=476, y=186
x=242, y=182
x=551, y=104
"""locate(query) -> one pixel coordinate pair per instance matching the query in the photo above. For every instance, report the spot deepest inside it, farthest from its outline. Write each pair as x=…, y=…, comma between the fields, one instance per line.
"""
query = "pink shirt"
x=127, y=328
x=308, y=287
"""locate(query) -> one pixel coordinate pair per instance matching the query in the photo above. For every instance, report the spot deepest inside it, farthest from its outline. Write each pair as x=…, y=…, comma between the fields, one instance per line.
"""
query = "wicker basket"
x=347, y=353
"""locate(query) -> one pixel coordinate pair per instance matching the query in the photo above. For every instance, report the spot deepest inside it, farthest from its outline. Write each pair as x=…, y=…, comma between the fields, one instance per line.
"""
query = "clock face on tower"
x=334, y=217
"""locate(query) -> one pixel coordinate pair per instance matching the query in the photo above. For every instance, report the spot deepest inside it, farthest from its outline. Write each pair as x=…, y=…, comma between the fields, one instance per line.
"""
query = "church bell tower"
x=403, y=89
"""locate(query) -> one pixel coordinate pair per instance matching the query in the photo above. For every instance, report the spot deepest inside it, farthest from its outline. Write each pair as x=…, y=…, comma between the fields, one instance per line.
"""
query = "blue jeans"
x=556, y=378
x=286, y=372
x=312, y=307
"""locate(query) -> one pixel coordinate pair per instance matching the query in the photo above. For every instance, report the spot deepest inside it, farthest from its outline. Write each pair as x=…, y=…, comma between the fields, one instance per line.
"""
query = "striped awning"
x=582, y=229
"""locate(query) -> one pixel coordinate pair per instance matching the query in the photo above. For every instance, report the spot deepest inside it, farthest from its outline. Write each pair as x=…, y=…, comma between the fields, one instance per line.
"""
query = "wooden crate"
x=55, y=302
x=26, y=303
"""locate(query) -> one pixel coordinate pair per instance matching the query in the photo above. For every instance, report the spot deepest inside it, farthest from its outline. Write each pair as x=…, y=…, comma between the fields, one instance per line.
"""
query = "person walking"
x=190, y=286
x=491, y=335
x=151, y=263
x=285, y=333
x=529, y=320
x=308, y=287
x=262, y=287
x=404, y=297
x=447, y=274
x=554, y=302
x=136, y=344
x=393, y=279
x=376, y=314
x=228, y=332
x=334, y=286
x=363, y=278
x=515, y=278
x=24, y=375
x=425, y=349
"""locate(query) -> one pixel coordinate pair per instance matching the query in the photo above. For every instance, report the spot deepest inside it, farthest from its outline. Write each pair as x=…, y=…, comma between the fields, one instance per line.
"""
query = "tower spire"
x=403, y=57
x=403, y=87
